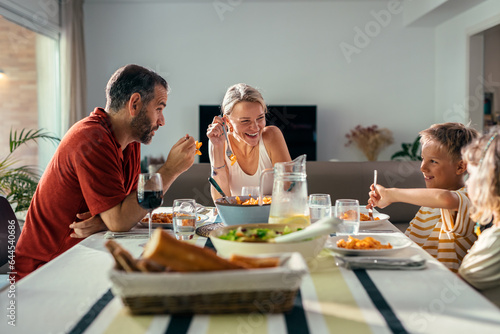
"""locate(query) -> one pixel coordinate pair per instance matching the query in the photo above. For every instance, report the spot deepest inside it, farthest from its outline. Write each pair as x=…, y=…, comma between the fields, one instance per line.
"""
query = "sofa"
x=339, y=179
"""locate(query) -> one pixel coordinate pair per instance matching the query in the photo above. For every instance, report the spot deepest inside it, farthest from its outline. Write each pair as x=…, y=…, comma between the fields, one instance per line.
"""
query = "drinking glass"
x=149, y=193
x=320, y=206
x=348, y=211
x=184, y=218
x=252, y=191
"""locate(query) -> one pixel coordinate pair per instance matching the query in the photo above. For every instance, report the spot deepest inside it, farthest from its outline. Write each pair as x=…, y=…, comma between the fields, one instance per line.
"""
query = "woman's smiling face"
x=248, y=119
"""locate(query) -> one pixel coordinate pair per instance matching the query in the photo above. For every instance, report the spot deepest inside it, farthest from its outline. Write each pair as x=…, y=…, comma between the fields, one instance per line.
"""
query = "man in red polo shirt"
x=93, y=174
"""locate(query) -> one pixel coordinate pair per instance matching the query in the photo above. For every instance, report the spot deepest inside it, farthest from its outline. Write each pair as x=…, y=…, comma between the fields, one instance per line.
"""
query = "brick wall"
x=18, y=88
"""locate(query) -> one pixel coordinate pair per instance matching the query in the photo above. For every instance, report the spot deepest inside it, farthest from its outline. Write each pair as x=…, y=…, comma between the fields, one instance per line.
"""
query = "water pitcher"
x=289, y=198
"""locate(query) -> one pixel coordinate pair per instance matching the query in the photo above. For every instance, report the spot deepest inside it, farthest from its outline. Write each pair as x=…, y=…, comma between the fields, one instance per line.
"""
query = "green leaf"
x=16, y=140
x=400, y=156
x=18, y=183
x=415, y=148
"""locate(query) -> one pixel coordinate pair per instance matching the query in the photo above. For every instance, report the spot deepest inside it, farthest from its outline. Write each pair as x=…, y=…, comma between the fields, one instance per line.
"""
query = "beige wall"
x=18, y=87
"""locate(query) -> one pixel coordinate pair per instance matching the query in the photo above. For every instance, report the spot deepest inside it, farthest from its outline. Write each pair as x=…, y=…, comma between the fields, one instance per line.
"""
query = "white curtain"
x=73, y=69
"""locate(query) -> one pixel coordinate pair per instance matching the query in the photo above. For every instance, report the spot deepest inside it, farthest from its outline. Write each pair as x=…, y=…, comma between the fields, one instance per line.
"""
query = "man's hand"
x=181, y=156
x=87, y=226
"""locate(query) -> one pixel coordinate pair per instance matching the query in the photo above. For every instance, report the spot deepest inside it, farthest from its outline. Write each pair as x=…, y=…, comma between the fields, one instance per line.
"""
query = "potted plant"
x=410, y=151
x=18, y=183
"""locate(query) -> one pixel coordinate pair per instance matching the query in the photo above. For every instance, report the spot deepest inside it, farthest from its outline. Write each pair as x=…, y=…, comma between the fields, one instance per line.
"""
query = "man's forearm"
x=125, y=215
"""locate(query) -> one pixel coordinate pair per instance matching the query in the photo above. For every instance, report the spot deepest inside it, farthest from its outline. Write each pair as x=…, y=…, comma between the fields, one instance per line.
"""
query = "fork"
x=229, y=153
x=370, y=210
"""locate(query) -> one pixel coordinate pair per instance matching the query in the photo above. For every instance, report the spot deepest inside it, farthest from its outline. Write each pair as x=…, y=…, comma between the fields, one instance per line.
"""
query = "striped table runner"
x=330, y=300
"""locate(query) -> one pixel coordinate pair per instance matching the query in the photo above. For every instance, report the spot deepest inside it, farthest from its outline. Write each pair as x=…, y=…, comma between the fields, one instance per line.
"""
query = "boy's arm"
x=429, y=197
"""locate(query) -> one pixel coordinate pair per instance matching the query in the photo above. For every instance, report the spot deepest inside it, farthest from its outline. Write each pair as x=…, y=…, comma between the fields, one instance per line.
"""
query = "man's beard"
x=141, y=126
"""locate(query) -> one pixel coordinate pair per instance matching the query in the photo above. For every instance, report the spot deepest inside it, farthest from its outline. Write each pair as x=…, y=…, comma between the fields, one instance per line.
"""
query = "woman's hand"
x=215, y=133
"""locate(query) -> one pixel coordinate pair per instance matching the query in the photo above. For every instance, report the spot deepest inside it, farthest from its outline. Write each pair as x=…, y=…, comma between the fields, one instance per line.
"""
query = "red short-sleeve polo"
x=88, y=172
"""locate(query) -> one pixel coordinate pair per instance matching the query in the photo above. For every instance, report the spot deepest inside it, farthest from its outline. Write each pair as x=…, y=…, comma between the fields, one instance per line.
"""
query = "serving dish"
x=237, y=214
x=309, y=248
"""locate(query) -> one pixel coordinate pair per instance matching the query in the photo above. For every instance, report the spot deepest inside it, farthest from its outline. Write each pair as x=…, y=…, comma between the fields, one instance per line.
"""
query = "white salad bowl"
x=308, y=248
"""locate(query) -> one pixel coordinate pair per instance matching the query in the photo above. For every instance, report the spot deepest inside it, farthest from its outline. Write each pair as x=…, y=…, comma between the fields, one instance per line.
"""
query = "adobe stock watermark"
x=223, y=6
x=11, y=291
x=363, y=37
x=421, y=320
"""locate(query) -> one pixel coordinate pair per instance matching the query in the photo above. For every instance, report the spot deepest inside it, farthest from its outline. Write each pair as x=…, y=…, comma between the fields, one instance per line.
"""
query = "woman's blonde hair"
x=241, y=93
x=484, y=154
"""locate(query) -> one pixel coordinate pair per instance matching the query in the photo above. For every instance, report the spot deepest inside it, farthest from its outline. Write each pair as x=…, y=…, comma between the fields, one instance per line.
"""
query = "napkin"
x=388, y=263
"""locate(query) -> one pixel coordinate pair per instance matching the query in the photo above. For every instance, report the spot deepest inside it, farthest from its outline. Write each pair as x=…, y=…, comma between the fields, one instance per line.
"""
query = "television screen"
x=296, y=122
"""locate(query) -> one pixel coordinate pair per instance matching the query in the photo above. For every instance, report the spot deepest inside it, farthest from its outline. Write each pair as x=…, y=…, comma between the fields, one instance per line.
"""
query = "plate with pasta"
x=365, y=220
x=162, y=217
x=367, y=244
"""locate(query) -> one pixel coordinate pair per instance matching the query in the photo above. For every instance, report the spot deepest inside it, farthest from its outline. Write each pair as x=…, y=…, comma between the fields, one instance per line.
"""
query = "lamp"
x=2, y=73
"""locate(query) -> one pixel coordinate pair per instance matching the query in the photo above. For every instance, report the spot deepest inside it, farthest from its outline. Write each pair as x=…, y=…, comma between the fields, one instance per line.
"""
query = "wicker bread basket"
x=268, y=290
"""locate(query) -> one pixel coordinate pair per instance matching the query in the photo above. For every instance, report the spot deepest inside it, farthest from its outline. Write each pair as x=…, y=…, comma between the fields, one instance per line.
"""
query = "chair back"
x=9, y=234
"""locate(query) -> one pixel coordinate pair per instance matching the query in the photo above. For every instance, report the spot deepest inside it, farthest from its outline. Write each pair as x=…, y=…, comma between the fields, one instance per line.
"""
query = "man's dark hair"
x=128, y=80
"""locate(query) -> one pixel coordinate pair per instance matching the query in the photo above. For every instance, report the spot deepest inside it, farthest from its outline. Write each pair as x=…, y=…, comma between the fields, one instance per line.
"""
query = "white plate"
x=370, y=223
x=201, y=219
x=397, y=241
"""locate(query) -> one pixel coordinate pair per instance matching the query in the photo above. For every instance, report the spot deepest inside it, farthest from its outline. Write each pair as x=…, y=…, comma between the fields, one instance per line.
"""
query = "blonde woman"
x=481, y=266
x=254, y=145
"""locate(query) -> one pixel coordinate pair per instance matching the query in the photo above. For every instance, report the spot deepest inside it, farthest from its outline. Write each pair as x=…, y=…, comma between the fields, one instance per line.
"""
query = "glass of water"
x=184, y=218
x=320, y=206
x=348, y=211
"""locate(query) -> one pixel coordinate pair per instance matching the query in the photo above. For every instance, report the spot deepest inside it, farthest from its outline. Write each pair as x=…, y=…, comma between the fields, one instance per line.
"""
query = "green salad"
x=255, y=234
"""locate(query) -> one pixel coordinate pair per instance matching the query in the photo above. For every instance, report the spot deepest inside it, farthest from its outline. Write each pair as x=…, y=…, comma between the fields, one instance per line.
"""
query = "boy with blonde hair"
x=442, y=226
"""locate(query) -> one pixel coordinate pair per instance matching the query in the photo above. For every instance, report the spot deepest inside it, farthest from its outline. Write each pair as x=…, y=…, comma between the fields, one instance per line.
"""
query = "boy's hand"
x=378, y=197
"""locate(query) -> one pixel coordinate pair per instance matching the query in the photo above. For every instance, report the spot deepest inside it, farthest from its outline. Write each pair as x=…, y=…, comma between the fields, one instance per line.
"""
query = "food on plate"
x=242, y=234
x=366, y=218
x=253, y=201
x=161, y=218
x=366, y=243
x=351, y=214
x=232, y=157
x=198, y=145
x=348, y=215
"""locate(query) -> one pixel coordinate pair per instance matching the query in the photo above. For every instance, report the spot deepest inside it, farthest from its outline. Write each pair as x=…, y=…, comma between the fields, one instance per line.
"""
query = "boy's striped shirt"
x=446, y=235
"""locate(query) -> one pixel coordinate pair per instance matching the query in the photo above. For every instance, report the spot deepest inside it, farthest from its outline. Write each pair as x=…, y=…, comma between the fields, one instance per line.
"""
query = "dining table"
x=72, y=294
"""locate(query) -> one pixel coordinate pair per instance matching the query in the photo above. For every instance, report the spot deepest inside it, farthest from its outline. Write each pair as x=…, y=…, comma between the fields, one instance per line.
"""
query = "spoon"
x=218, y=188
x=323, y=226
